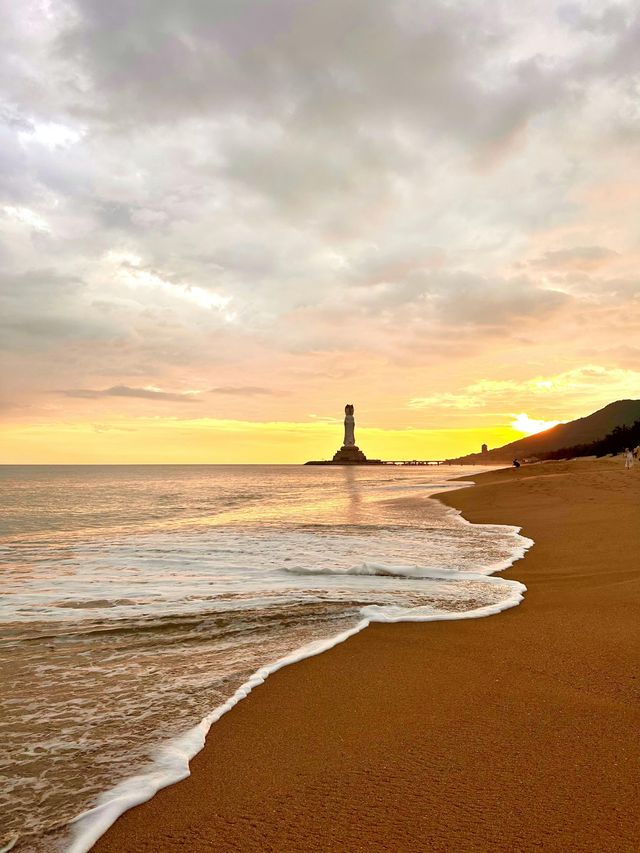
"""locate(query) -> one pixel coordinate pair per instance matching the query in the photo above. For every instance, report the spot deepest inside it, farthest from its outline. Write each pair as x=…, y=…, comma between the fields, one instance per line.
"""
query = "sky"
x=221, y=220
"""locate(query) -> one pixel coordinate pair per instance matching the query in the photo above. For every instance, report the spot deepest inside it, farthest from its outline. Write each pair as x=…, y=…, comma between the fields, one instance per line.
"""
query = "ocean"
x=138, y=603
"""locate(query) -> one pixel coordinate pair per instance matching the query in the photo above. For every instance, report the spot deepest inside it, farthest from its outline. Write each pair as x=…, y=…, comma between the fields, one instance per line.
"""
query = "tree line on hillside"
x=615, y=442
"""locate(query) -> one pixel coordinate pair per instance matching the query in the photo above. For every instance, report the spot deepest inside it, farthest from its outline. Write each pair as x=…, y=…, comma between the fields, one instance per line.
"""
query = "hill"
x=591, y=428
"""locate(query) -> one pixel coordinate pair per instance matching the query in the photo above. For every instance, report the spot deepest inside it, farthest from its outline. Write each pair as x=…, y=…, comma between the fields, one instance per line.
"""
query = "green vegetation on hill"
x=588, y=431
x=615, y=442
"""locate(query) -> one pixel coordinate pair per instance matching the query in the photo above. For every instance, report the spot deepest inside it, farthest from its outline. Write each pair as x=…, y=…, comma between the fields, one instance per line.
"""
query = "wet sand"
x=518, y=732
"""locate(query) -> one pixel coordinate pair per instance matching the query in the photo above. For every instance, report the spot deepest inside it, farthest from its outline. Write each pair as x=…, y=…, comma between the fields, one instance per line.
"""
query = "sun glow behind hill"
x=530, y=426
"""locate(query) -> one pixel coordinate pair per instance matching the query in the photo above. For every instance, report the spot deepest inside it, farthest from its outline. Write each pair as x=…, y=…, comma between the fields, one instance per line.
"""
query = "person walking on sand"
x=628, y=458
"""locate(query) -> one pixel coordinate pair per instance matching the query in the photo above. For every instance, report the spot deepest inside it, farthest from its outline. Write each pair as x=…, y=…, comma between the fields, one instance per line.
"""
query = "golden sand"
x=518, y=732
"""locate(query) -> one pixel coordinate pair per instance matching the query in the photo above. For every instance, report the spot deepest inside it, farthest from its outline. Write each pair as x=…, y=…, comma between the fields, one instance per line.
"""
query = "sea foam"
x=171, y=763
x=125, y=627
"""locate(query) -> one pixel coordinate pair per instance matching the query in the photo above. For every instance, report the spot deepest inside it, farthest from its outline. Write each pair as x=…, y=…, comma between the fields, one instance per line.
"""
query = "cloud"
x=448, y=400
x=610, y=18
x=454, y=297
x=314, y=197
x=306, y=61
x=40, y=307
x=99, y=428
x=245, y=391
x=576, y=385
x=581, y=258
x=126, y=391
x=498, y=302
x=27, y=217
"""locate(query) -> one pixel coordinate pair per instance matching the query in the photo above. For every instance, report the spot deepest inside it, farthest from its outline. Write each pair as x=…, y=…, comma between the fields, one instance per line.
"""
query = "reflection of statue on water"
x=352, y=492
x=349, y=426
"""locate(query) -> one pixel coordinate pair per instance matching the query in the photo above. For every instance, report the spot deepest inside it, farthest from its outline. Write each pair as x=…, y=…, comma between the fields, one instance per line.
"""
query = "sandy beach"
x=518, y=732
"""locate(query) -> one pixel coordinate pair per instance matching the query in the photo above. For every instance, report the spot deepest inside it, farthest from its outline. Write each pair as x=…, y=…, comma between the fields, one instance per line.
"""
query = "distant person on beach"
x=516, y=464
x=628, y=458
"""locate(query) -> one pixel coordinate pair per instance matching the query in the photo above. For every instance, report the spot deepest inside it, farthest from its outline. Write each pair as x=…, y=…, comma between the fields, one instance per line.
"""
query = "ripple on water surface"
x=137, y=600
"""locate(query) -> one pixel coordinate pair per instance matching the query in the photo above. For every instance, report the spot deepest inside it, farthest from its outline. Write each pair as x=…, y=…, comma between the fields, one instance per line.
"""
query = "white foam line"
x=172, y=759
x=524, y=545
x=172, y=764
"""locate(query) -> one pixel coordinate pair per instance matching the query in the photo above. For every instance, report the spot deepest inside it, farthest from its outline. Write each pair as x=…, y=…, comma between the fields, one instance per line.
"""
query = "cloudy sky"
x=220, y=220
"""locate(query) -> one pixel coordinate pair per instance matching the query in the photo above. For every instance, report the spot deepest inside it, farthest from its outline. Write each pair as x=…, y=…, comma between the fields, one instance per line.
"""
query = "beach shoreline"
x=410, y=737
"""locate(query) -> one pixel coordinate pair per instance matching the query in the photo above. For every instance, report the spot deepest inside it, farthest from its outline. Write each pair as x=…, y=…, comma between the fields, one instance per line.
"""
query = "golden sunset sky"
x=220, y=222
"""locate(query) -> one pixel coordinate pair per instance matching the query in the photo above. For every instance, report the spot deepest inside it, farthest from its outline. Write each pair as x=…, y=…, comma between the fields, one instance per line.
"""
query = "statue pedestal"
x=349, y=456
x=349, y=453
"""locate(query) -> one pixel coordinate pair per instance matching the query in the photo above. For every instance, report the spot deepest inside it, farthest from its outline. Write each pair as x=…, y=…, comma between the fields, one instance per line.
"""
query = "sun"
x=530, y=426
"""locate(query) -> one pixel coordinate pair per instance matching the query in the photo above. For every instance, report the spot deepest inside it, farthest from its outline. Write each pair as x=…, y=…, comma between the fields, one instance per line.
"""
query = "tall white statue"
x=349, y=426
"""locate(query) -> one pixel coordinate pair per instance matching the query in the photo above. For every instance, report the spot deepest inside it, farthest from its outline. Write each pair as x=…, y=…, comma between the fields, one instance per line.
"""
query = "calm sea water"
x=137, y=599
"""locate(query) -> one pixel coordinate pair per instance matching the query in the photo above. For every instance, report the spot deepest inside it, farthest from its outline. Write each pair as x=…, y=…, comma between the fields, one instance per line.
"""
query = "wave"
x=376, y=569
x=171, y=760
x=386, y=570
x=171, y=763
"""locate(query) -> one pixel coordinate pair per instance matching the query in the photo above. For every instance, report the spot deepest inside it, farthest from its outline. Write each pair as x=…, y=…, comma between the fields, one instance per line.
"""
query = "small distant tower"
x=485, y=449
